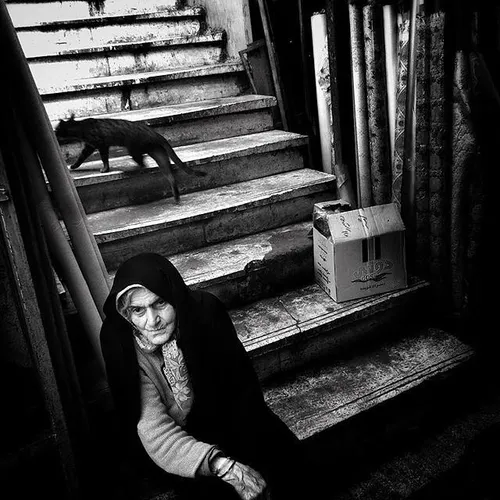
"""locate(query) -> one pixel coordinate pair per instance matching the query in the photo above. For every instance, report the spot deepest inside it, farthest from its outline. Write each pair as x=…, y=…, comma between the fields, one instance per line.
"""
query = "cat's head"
x=66, y=128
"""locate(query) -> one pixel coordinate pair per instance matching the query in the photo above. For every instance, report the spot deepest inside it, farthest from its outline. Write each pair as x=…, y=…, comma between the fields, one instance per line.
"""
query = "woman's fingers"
x=248, y=483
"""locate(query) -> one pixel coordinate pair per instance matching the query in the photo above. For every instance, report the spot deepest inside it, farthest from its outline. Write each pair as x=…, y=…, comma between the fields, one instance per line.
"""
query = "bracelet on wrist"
x=231, y=464
x=220, y=464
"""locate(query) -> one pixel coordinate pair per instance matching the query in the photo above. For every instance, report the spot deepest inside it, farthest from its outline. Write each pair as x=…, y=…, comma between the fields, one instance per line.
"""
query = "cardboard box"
x=358, y=253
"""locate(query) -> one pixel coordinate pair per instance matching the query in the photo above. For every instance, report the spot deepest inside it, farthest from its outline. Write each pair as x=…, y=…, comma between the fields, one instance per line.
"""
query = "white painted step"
x=27, y=13
x=210, y=216
x=112, y=94
x=128, y=57
x=44, y=37
x=318, y=399
x=225, y=161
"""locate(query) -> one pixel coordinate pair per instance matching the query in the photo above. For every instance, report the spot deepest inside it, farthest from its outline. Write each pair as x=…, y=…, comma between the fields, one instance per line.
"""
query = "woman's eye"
x=161, y=303
x=138, y=311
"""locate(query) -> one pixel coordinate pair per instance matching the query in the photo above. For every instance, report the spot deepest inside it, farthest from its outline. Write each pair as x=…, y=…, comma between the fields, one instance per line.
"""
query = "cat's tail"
x=175, y=158
x=164, y=164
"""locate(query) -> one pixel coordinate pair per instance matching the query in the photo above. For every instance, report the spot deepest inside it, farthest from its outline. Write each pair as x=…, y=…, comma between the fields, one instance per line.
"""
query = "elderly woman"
x=186, y=391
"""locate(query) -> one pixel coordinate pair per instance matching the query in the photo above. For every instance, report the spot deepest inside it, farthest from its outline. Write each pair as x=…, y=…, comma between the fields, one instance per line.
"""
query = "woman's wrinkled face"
x=152, y=316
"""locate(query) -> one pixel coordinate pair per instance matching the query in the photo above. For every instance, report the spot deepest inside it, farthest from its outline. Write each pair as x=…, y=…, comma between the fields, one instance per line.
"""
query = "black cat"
x=137, y=138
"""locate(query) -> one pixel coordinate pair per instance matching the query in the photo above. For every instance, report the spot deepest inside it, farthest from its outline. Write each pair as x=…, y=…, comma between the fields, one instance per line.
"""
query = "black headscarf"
x=157, y=274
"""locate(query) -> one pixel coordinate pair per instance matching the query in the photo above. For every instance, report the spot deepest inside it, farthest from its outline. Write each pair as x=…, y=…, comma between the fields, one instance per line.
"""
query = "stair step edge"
x=220, y=262
x=48, y=10
x=104, y=19
x=309, y=311
x=193, y=155
x=113, y=48
x=141, y=219
x=141, y=78
x=317, y=400
x=189, y=110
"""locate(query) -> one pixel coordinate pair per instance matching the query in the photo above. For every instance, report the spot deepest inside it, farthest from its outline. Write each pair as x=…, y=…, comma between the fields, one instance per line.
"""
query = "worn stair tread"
x=193, y=155
x=319, y=398
x=221, y=262
x=214, y=36
x=441, y=464
x=274, y=322
x=191, y=110
x=130, y=221
x=103, y=19
x=142, y=78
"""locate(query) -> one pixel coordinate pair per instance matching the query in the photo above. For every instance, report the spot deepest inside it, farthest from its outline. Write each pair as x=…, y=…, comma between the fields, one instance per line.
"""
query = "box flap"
x=365, y=222
x=325, y=209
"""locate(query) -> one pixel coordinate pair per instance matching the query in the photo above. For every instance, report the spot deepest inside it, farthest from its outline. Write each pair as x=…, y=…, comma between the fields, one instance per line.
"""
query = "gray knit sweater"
x=160, y=427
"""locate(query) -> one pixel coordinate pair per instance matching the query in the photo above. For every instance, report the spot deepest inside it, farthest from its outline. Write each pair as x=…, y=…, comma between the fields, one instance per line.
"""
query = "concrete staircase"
x=243, y=230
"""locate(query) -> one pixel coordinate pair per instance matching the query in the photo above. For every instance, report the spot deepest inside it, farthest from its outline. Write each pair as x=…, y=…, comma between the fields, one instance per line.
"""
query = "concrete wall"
x=232, y=16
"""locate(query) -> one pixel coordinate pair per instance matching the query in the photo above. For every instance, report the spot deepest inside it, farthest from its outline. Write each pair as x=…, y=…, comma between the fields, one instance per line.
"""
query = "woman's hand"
x=248, y=483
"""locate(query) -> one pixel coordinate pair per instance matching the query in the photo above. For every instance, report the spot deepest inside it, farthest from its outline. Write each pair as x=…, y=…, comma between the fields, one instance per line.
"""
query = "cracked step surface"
x=44, y=36
x=127, y=57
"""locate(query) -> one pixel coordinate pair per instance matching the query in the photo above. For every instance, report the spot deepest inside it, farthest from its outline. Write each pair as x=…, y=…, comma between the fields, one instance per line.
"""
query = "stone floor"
x=442, y=444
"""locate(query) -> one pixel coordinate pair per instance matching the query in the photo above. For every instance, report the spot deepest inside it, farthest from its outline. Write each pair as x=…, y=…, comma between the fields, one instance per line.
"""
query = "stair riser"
x=194, y=131
x=28, y=13
x=222, y=227
x=99, y=101
x=39, y=43
x=323, y=341
x=64, y=68
x=267, y=278
x=148, y=185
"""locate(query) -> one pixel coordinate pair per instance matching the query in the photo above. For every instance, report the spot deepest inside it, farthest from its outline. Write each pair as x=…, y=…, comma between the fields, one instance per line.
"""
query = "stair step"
x=443, y=450
x=252, y=267
x=127, y=57
x=317, y=399
x=194, y=122
x=225, y=161
x=210, y=216
x=42, y=36
x=27, y=13
x=286, y=332
x=112, y=94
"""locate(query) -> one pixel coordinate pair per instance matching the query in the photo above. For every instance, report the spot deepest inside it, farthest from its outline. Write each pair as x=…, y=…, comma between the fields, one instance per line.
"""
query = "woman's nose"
x=152, y=316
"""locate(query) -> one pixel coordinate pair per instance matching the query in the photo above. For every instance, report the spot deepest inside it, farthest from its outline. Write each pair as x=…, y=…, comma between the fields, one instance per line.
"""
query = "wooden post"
x=273, y=60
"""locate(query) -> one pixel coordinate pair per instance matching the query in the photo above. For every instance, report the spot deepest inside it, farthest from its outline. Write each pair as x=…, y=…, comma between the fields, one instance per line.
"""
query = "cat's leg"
x=86, y=152
x=104, y=152
x=138, y=157
x=163, y=161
